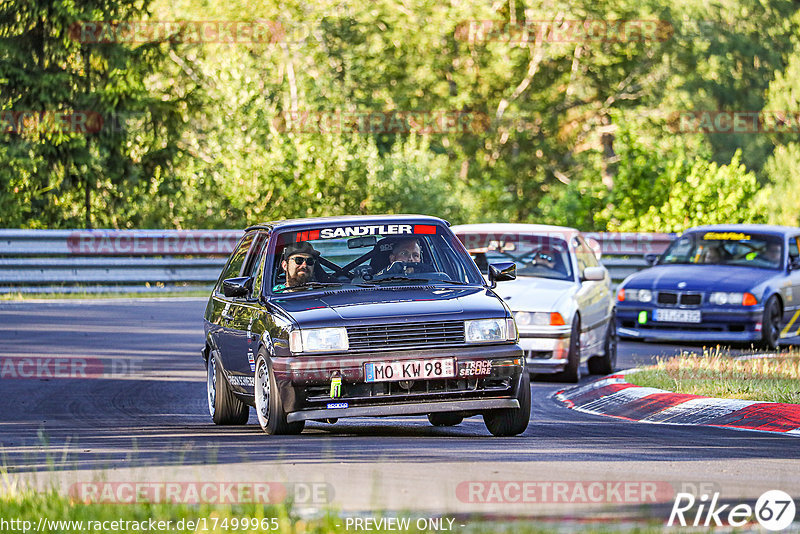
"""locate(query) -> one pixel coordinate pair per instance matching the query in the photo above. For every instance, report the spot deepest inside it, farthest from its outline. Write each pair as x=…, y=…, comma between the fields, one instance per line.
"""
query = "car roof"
x=323, y=222
x=756, y=228
x=516, y=228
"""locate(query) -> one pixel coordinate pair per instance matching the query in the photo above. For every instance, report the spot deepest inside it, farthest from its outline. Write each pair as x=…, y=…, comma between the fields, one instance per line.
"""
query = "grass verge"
x=717, y=374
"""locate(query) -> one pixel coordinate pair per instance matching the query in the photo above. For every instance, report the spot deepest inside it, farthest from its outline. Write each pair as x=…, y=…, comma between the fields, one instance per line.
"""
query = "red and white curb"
x=614, y=396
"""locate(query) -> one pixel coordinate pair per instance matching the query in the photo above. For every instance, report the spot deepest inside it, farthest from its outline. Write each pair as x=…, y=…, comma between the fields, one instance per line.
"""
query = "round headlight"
x=523, y=318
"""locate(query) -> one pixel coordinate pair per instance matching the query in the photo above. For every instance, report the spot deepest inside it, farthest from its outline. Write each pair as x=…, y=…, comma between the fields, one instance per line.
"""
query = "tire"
x=269, y=406
x=512, y=421
x=223, y=406
x=572, y=371
x=445, y=419
x=771, y=323
x=604, y=365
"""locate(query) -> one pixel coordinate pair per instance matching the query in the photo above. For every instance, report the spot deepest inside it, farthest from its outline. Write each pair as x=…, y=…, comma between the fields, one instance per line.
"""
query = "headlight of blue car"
x=635, y=295
x=722, y=298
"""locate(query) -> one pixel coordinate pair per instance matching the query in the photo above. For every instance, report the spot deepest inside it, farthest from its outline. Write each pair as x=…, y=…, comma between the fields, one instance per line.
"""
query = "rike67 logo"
x=774, y=510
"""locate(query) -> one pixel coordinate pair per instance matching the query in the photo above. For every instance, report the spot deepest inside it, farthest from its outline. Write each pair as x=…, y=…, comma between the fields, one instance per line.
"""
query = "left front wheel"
x=269, y=406
x=224, y=407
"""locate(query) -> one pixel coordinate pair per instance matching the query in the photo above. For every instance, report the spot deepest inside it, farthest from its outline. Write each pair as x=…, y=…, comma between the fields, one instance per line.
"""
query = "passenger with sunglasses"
x=298, y=263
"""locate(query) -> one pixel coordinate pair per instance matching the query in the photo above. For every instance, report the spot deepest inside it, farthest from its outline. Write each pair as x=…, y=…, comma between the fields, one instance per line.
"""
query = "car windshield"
x=726, y=248
x=535, y=255
x=369, y=255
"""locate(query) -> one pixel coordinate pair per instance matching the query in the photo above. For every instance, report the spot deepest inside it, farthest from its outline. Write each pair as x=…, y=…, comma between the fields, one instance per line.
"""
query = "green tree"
x=702, y=193
x=119, y=130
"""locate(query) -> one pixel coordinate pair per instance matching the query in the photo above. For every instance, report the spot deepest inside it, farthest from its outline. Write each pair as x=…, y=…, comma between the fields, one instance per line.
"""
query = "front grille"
x=667, y=297
x=682, y=298
x=691, y=299
x=405, y=335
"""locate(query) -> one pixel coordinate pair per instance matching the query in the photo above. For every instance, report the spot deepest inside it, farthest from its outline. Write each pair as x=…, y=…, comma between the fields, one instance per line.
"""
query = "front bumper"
x=417, y=408
x=304, y=383
x=727, y=325
x=546, y=349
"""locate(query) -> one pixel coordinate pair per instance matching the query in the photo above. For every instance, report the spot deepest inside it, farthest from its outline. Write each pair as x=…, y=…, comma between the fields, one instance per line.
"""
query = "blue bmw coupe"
x=717, y=283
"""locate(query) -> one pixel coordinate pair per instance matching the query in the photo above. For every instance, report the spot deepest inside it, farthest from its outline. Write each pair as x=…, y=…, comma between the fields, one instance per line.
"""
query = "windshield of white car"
x=743, y=249
x=543, y=259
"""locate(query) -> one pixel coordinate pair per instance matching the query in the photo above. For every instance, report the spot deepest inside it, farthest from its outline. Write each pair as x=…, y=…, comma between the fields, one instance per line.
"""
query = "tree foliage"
x=568, y=128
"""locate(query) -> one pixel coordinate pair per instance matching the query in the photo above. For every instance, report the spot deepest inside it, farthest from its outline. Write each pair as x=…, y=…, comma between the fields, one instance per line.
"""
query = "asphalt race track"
x=141, y=416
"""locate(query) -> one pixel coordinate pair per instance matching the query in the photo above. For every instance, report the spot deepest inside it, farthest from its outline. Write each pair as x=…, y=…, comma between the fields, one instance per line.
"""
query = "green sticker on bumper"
x=642, y=317
x=336, y=387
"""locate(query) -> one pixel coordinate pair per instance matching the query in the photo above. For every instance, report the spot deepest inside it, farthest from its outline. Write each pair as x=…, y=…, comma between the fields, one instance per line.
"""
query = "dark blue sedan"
x=719, y=283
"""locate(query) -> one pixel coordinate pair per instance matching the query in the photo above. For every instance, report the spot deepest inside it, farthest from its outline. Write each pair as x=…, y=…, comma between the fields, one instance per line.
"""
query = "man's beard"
x=300, y=277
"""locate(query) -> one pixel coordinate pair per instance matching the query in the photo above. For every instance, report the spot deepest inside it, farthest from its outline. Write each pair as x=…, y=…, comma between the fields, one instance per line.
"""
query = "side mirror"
x=237, y=287
x=502, y=272
x=794, y=264
x=594, y=274
x=652, y=259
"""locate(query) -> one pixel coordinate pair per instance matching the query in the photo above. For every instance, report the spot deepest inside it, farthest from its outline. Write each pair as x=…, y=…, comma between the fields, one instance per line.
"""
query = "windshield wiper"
x=312, y=285
x=396, y=279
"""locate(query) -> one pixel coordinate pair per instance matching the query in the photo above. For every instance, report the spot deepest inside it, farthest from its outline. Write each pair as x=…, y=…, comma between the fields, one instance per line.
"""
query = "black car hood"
x=391, y=304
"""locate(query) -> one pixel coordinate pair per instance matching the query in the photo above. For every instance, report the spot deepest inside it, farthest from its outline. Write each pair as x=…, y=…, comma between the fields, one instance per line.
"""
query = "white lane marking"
x=616, y=399
x=576, y=391
x=699, y=411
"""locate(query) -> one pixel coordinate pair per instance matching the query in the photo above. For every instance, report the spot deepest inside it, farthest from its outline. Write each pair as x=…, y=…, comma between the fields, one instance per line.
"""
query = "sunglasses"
x=300, y=260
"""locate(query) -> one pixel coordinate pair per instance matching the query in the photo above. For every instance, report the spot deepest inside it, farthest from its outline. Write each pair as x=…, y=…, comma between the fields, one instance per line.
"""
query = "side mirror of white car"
x=594, y=274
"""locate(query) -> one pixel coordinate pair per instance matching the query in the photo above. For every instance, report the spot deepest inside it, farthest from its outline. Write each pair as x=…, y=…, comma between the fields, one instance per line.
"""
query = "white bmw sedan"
x=562, y=299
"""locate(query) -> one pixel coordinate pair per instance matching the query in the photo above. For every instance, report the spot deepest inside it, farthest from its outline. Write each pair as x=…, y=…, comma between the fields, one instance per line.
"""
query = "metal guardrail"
x=152, y=261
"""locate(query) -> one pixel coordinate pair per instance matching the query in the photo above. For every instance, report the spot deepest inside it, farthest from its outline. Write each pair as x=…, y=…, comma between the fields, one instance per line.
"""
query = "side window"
x=235, y=262
x=794, y=253
x=256, y=270
x=588, y=254
x=579, y=256
x=584, y=256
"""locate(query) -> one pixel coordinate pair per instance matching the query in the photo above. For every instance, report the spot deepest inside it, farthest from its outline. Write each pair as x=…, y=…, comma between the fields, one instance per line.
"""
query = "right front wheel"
x=512, y=421
x=605, y=364
x=771, y=323
x=269, y=407
x=572, y=369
